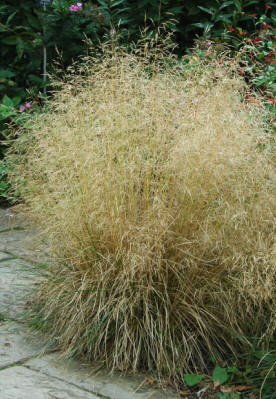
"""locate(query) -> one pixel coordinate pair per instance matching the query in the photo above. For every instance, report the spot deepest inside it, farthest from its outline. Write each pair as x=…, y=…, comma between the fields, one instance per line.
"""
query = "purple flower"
x=112, y=31
x=209, y=43
x=79, y=5
x=195, y=100
x=183, y=102
x=21, y=108
x=28, y=105
x=9, y=215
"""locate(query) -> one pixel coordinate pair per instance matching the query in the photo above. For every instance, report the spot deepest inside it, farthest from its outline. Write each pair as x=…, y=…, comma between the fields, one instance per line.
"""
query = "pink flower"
x=73, y=8
x=28, y=105
x=21, y=108
x=9, y=215
x=112, y=31
x=209, y=43
x=182, y=102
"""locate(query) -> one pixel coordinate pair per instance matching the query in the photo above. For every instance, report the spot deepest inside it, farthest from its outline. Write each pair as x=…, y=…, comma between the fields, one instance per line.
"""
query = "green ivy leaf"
x=193, y=379
x=220, y=375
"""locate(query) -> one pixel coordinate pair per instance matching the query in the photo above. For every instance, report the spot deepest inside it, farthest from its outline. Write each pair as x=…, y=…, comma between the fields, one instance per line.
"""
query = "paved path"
x=26, y=371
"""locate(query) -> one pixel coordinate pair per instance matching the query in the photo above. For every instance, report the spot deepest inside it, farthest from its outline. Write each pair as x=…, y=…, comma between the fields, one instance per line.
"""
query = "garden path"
x=27, y=370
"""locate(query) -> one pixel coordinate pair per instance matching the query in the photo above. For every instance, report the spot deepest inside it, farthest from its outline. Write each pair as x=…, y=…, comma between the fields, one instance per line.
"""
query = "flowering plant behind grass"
x=10, y=110
x=256, y=54
x=259, y=56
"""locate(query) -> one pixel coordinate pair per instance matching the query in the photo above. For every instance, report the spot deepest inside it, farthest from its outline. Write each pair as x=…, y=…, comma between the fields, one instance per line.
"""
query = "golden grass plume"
x=159, y=210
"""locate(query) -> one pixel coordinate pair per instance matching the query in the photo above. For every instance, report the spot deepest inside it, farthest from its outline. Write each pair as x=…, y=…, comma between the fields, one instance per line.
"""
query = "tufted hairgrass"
x=158, y=208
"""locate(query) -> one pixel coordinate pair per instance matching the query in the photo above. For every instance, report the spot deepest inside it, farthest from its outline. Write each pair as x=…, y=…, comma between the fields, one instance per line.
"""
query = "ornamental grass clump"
x=158, y=207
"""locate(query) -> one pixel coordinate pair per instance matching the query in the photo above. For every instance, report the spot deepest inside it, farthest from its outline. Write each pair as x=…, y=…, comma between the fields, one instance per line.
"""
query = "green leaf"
x=249, y=3
x=193, y=379
x=233, y=369
x=220, y=375
x=19, y=47
x=2, y=8
x=103, y=4
x=5, y=73
x=238, y=5
x=16, y=100
x=116, y=3
x=227, y=396
x=8, y=101
x=198, y=25
x=208, y=10
x=10, y=40
x=35, y=79
x=11, y=17
x=226, y=4
x=34, y=22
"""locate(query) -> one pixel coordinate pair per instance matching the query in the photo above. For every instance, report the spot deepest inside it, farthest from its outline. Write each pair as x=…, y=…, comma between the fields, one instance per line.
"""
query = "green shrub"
x=158, y=209
x=257, y=51
x=26, y=28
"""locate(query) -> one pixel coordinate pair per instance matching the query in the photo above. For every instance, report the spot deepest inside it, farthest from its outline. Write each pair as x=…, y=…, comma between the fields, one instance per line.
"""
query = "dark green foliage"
x=25, y=28
x=253, y=375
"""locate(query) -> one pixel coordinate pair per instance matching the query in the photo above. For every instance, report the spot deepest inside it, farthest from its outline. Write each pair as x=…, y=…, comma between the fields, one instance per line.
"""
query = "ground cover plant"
x=158, y=207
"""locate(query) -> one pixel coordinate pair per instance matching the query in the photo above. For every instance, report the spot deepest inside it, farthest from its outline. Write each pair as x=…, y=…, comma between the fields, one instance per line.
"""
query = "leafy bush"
x=26, y=28
x=257, y=51
x=158, y=207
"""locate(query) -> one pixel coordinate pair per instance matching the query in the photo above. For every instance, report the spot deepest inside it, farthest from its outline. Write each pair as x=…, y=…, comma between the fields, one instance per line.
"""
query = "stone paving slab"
x=112, y=386
x=21, y=383
x=14, y=288
x=17, y=344
x=27, y=373
x=16, y=279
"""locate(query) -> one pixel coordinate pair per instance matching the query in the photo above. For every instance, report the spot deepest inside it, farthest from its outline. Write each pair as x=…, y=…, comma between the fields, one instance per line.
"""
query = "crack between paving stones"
x=99, y=395
x=19, y=362
x=6, y=319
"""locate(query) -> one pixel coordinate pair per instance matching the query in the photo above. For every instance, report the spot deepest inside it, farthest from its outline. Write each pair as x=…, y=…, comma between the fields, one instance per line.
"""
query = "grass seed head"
x=158, y=208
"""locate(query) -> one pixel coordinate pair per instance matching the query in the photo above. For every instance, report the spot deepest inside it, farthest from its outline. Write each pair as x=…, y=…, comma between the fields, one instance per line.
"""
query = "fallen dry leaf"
x=216, y=384
x=240, y=388
x=225, y=389
x=184, y=393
